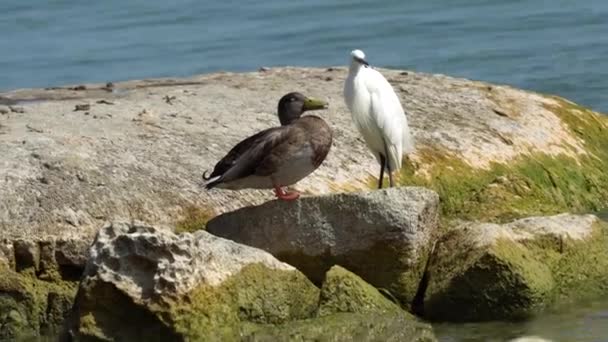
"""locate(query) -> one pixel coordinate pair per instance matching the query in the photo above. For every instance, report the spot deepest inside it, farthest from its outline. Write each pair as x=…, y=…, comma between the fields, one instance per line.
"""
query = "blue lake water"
x=558, y=46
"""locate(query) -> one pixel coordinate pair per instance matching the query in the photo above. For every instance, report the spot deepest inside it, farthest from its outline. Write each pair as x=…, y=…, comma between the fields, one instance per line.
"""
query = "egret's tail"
x=395, y=157
x=408, y=144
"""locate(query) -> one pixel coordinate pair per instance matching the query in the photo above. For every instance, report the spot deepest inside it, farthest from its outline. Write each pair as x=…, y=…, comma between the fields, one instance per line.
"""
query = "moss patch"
x=344, y=291
x=503, y=282
x=391, y=268
x=194, y=218
x=104, y=313
x=535, y=184
x=30, y=306
x=256, y=295
x=580, y=268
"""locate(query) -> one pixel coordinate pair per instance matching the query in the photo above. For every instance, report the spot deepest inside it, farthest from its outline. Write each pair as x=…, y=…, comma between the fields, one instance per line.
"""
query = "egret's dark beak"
x=313, y=104
x=362, y=61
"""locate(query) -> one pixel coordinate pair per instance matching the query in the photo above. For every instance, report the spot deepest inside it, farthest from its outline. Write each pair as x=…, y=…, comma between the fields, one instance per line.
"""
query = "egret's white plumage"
x=377, y=114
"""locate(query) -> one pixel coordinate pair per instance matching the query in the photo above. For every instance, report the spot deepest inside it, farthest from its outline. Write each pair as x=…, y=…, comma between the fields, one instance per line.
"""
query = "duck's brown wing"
x=249, y=155
x=238, y=150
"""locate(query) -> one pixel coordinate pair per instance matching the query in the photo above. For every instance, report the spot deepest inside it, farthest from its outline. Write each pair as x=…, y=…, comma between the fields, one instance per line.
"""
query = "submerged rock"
x=142, y=283
x=483, y=271
x=346, y=327
x=383, y=236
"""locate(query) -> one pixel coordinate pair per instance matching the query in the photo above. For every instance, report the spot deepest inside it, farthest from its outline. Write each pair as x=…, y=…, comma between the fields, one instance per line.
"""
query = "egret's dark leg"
x=382, y=165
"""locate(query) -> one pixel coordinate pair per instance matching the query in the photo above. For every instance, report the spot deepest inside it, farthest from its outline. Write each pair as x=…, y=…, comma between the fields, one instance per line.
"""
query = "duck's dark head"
x=293, y=105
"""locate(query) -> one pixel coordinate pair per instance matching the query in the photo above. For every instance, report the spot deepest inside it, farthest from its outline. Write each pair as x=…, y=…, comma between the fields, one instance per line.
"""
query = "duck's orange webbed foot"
x=286, y=196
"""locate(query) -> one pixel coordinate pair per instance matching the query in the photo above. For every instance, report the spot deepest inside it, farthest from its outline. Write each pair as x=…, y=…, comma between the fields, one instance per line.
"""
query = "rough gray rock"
x=44, y=254
x=143, y=261
x=143, y=283
x=383, y=236
x=484, y=271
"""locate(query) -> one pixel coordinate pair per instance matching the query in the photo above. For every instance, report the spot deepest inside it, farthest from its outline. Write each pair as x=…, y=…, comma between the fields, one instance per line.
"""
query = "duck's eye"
x=292, y=99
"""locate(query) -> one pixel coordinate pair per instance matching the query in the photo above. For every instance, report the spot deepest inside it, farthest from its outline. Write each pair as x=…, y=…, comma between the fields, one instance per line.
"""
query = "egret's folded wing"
x=389, y=116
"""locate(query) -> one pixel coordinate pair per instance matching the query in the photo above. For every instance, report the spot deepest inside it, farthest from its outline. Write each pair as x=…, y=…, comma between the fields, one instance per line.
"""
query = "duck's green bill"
x=312, y=104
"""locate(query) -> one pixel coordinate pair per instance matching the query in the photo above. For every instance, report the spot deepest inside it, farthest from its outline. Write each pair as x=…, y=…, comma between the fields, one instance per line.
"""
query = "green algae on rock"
x=147, y=283
x=31, y=306
x=257, y=294
x=534, y=181
x=194, y=218
x=482, y=271
x=344, y=291
x=349, y=310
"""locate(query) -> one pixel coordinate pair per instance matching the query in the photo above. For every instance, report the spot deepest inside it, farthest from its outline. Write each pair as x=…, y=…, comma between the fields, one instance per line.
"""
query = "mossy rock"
x=29, y=306
x=485, y=272
x=344, y=291
x=349, y=310
x=256, y=295
x=345, y=327
x=503, y=281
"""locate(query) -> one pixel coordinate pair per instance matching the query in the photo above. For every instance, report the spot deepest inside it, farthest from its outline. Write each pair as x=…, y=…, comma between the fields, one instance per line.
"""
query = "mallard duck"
x=280, y=156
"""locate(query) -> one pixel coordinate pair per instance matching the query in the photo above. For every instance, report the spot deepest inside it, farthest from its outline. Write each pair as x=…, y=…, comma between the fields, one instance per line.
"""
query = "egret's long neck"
x=354, y=67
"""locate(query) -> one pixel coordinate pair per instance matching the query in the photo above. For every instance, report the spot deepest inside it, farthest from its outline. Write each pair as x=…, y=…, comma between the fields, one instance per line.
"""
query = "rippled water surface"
x=587, y=322
x=558, y=46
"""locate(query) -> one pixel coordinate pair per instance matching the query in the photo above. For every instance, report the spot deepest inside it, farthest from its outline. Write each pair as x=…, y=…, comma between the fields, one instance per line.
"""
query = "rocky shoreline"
x=488, y=225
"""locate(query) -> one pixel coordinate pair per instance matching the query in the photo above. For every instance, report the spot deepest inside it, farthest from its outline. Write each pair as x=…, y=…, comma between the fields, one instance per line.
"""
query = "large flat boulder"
x=76, y=157
x=383, y=236
x=483, y=271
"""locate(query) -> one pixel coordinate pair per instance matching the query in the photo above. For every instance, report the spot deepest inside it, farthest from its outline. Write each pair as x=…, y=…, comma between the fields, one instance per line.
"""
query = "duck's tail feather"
x=211, y=181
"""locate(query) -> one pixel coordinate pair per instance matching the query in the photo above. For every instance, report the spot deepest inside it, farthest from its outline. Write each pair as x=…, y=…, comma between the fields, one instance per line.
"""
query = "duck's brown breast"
x=319, y=136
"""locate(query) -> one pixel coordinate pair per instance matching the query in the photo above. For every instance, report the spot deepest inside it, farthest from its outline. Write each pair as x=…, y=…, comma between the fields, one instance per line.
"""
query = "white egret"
x=377, y=114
